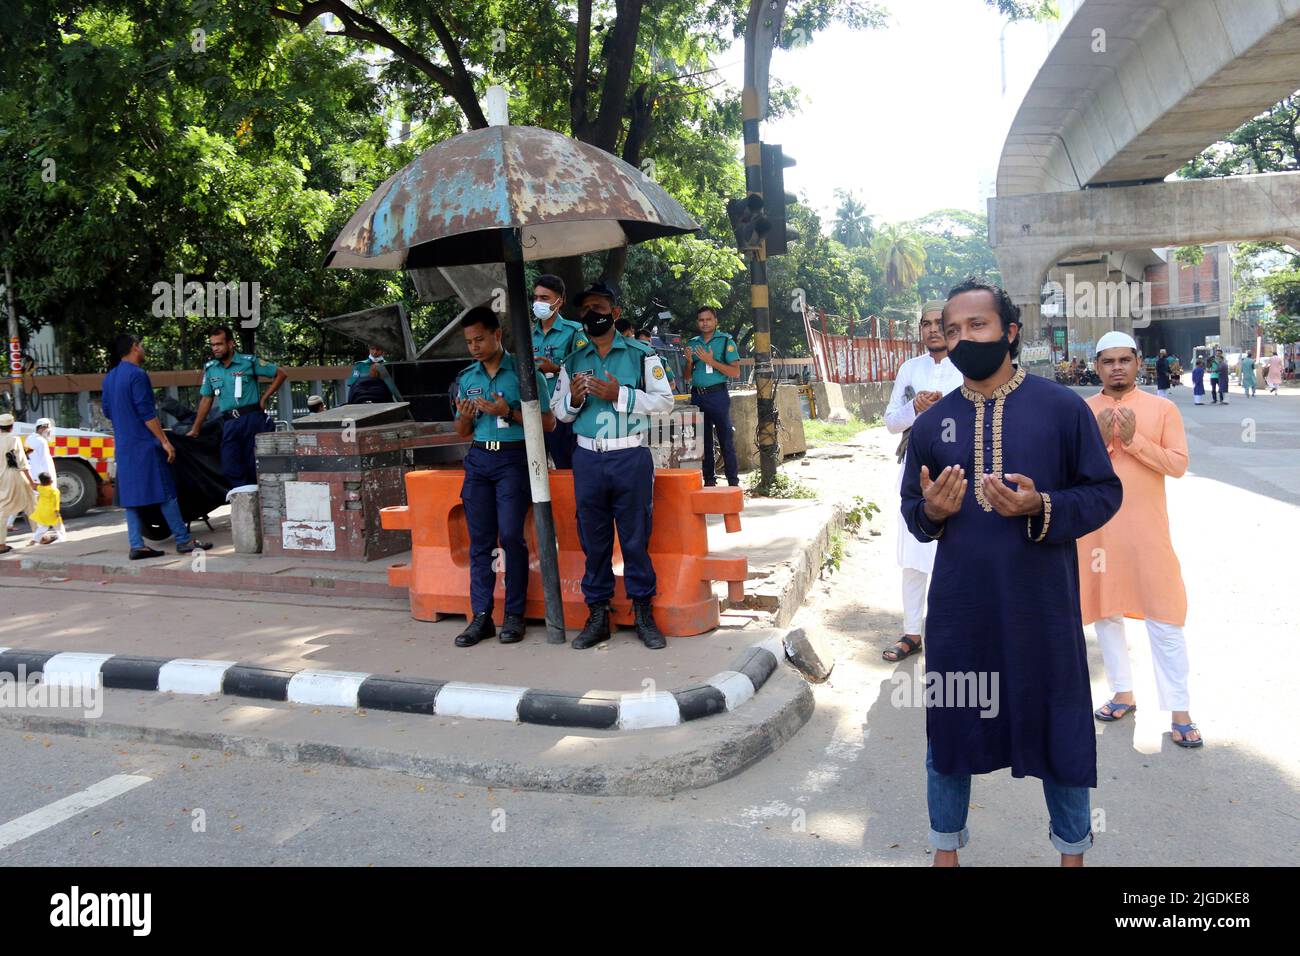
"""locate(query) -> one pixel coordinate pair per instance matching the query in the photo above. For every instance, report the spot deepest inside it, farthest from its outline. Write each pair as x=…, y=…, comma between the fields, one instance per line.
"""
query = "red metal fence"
x=844, y=358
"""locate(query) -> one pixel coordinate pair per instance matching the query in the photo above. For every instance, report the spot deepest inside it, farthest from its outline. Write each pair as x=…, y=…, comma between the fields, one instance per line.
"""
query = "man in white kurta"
x=39, y=458
x=921, y=382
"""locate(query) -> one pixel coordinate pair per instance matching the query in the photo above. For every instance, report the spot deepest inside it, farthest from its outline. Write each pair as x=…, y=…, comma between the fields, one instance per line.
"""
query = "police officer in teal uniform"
x=554, y=337
x=608, y=388
x=231, y=378
x=370, y=381
x=711, y=358
x=495, y=492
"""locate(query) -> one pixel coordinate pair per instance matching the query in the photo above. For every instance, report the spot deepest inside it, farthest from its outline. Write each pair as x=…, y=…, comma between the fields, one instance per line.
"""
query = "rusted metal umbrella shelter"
x=510, y=194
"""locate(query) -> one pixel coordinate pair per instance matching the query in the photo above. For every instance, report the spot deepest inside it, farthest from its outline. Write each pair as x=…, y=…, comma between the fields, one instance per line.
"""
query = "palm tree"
x=901, y=256
x=853, y=226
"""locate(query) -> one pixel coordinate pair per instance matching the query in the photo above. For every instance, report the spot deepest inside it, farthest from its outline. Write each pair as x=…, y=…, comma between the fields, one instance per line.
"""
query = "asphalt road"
x=849, y=789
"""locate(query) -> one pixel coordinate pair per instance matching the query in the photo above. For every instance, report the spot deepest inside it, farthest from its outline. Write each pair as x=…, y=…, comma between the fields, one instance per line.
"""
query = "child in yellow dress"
x=47, y=523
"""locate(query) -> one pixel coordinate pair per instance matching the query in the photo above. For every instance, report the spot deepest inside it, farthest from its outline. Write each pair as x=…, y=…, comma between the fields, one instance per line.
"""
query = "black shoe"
x=596, y=629
x=194, y=545
x=646, y=629
x=480, y=628
x=512, y=629
x=139, y=553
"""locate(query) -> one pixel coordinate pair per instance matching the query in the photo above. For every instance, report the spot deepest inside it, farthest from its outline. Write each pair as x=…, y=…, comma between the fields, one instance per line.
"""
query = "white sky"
x=911, y=117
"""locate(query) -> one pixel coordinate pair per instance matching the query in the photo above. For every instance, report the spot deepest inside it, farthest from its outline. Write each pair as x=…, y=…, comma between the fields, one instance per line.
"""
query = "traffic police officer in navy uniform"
x=711, y=358
x=370, y=381
x=554, y=337
x=231, y=378
x=496, y=489
x=608, y=388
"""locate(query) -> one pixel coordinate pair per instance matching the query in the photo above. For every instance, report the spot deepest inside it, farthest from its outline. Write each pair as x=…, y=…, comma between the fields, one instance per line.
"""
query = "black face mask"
x=979, y=360
x=596, y=323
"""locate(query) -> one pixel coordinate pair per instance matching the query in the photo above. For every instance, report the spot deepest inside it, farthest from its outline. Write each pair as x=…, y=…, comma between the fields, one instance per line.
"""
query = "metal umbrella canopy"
x=509, y=194
x=450, y=205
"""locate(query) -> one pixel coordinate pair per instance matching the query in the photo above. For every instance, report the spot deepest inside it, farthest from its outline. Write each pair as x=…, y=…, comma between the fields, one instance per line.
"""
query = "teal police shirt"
x=475, y=382
x=723, y=349
x=235, y=386
x=361, y=370
x=563, y=337
x=643, y=389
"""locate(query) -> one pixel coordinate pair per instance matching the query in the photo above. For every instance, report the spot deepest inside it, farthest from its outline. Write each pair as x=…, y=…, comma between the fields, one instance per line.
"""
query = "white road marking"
x=33, y=823
x=329, y=688
x=185, y=676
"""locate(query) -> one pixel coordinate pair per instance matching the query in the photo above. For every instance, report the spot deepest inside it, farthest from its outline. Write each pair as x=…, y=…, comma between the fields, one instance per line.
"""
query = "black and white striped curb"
x=598, y=710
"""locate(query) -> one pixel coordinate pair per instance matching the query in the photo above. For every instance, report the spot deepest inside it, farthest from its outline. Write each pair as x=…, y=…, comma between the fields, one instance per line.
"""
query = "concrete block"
x=809, y=654
x=246, y=522
x=744, y=418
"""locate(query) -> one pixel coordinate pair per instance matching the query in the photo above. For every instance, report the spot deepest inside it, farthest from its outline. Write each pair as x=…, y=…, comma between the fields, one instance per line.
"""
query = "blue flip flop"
x=1117, y=711
x=1184, y=729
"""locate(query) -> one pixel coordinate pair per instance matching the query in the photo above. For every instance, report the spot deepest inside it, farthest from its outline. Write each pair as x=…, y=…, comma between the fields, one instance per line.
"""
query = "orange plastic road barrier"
x=438, y=575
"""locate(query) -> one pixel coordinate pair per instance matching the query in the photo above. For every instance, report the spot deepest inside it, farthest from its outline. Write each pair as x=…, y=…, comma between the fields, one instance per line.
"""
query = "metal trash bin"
x=245, y=519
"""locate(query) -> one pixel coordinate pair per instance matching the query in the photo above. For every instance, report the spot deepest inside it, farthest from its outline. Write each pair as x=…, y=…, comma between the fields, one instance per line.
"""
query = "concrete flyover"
x=1130, y=92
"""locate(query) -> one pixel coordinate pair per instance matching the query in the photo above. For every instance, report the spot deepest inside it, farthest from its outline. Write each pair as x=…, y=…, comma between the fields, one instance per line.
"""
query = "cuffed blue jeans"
x=948, y=795
x=171, y=512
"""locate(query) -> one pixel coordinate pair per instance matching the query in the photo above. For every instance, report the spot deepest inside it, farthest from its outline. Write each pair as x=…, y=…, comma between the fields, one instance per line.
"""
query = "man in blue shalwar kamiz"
x=142, y=451
x=1005, y=473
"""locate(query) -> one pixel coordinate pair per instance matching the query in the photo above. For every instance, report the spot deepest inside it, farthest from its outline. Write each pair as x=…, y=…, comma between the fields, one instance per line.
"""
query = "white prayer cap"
x=42, y=422
x=1116, y=340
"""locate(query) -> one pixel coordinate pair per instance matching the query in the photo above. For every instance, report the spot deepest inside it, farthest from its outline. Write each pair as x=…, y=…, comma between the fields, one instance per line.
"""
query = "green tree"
x=853, y=225
x=956, y=246
x=900, y=255
x=1268, y=143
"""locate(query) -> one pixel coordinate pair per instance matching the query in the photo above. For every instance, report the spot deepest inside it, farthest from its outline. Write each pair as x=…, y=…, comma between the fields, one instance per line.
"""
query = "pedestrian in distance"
x=1198, y=383
x=712, y=358
x=230, y=379
x=609, y=388
x=1273, y=378
x=1247, y=368
x=142, y=450
x=1006, y=473
x=1127, y=567
x=16, y=484
x=495, y=493
x=921, y=382
x=1162, y=374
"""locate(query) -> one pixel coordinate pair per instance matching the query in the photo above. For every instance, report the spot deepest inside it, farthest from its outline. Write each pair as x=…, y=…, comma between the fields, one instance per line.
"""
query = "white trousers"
x=1168, y=657
x=915, y=584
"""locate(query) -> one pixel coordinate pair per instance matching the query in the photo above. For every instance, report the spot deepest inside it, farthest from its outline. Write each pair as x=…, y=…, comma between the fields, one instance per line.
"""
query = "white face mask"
x=542, y=310
x=376, y=358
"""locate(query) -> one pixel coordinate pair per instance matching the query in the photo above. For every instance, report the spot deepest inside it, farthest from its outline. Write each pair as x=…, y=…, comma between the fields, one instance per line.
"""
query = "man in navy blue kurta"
x=141, y=449
x=1005, y=474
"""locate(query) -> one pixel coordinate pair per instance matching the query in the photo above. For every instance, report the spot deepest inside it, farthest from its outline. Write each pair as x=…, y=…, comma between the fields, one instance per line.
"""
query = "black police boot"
x=138, y=554
x=512, y=629
x=646, y=629
x=480, y=628
x=597, y=627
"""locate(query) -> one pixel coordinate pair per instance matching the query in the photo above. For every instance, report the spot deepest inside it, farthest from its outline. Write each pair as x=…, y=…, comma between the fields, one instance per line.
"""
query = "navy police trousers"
x=615, y=488
x=560, y=444
x=239, y=445
x=716, y=406
x=496, y=499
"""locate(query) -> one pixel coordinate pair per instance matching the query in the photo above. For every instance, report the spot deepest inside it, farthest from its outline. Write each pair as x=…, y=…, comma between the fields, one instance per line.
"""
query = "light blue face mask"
x=542, y=310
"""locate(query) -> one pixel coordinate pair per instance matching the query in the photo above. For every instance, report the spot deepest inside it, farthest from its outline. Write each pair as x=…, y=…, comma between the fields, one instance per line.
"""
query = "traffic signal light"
x=775, y=199
x=747, y=221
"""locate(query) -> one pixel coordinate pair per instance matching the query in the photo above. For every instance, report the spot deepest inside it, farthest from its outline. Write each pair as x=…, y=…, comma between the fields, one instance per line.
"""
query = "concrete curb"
x=656, y=763
x=596, y=710
x=782, y=594
x=143, y=573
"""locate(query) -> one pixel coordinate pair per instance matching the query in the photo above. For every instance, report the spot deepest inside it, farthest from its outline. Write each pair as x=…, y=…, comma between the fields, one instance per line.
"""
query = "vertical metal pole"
x=15, y=377
x=521, y=325
x=769, y=453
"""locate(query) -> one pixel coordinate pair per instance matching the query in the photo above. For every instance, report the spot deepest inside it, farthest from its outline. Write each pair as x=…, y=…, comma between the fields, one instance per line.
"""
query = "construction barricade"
x=438, y=575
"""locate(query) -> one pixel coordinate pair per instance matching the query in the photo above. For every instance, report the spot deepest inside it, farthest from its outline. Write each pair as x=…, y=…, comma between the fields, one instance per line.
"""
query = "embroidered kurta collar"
x=998, y=398
x=999, y=393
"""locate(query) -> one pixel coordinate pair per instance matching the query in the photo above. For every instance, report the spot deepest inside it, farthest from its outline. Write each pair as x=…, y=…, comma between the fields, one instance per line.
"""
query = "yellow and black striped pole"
x=769, y=449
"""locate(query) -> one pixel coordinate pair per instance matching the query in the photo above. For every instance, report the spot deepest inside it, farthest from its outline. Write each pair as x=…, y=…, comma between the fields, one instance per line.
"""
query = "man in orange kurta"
x=1127, y=568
